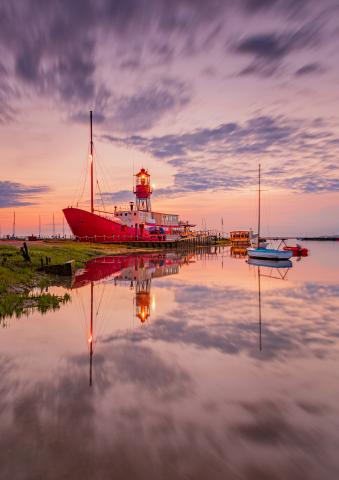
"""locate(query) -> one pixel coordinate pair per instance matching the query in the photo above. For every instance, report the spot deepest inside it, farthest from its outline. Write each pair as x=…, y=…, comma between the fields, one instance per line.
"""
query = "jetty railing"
x=201, y=239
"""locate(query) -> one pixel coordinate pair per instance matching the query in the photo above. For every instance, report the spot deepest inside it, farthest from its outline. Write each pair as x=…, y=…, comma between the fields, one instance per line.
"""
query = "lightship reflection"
x=135, y=271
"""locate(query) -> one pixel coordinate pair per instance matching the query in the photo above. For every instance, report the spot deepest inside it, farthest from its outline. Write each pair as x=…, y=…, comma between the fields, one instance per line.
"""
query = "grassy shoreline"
x=18, y=277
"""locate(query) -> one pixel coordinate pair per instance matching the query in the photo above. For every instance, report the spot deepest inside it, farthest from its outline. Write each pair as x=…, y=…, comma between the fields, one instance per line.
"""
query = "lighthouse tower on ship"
x=143, y=191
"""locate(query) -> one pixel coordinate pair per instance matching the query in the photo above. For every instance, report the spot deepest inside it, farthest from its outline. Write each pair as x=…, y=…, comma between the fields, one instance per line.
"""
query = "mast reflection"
x=90, y=337
x=272, y=269
x=259, y=306
x=135, y=271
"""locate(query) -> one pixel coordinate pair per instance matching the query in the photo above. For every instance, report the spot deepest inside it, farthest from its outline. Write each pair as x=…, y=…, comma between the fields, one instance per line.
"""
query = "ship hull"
x=90, y=227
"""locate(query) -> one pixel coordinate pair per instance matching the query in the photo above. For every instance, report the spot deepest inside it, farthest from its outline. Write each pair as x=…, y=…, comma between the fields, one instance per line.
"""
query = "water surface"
x=179, y=372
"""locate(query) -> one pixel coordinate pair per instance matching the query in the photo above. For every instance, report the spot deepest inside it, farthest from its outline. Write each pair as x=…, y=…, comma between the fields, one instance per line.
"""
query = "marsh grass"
x=13, y=269
x=19, y=304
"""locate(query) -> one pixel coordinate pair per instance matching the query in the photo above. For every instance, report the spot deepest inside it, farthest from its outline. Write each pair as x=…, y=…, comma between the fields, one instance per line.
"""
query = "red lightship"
x=137, y=222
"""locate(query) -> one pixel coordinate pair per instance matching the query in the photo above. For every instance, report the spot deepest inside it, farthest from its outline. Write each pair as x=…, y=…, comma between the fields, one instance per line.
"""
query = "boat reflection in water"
x=271, y=269
x=278, y=265
x=134, y=271
x=238, y=251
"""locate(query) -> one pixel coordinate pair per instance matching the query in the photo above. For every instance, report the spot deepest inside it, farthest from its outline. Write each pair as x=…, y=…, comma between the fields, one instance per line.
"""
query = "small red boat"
x=298, y=250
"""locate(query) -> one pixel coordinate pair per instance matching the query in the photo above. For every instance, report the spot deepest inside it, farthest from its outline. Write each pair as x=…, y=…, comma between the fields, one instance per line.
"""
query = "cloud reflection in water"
x=188, y=395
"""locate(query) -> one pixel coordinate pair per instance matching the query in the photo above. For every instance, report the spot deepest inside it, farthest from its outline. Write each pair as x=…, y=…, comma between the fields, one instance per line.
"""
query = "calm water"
x=186, y=382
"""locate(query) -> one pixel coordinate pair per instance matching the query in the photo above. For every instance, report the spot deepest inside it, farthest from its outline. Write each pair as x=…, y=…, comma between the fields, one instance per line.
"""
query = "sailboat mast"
x=91, y=159
x=259, y=207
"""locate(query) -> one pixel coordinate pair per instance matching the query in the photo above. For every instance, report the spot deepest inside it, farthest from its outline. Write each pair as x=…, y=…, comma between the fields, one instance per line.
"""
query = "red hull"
x=103, y=267
x=87, y=226
x=100, y=268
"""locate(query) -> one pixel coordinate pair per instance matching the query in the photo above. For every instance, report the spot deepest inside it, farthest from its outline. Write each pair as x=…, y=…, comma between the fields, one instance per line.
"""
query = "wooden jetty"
x=182, y=243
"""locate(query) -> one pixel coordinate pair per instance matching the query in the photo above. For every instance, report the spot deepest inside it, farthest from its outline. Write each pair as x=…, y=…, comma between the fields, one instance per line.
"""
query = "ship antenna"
x=91, y=159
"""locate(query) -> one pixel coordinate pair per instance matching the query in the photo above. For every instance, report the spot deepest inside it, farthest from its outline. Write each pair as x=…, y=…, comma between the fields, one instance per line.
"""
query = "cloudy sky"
x=198, y=91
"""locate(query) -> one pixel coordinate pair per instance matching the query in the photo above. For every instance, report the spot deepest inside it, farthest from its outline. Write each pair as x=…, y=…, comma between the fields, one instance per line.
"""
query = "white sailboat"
x=261, y=251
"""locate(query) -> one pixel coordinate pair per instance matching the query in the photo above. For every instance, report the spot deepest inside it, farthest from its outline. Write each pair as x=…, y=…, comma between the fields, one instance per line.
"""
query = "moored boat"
x=298, y=250
x=261, y=251
x=269, y=253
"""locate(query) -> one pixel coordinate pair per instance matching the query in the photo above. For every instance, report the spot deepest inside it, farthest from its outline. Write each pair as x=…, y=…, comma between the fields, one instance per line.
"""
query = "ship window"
x=134, y=213
x=125, y=214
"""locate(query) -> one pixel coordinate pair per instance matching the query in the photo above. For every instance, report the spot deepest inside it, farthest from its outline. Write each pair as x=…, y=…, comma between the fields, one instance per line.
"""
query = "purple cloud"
x=14, y=194
x=226, y=157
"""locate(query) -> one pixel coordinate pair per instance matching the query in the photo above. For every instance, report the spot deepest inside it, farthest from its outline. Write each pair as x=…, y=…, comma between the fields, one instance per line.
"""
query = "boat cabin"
x=241, y=237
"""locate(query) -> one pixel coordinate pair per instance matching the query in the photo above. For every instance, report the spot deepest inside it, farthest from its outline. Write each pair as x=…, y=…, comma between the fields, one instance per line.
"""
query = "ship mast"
x=91, y=160
x=259, y=208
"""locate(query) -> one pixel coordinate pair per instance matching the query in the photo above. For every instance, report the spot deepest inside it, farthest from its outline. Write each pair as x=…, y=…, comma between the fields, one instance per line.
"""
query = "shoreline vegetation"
x=24, y=285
